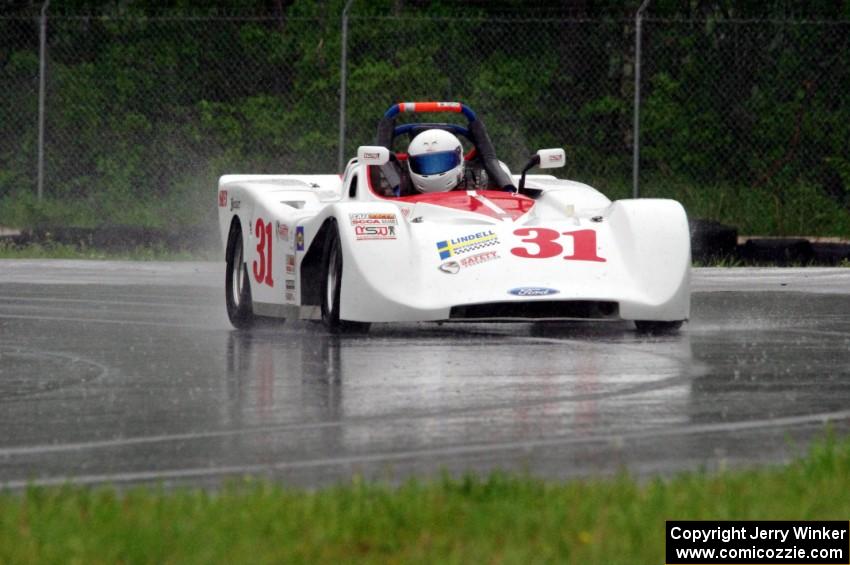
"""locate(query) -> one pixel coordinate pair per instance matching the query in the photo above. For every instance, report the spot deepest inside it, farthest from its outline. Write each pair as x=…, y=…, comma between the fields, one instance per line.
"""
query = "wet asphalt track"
x=129, y=372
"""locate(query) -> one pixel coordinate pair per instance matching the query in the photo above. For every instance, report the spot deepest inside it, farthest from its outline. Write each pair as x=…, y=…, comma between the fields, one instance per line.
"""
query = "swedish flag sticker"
x=445, y=249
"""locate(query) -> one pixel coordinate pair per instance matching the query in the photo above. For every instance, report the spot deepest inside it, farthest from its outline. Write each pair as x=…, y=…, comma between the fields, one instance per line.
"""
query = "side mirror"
x=545, y=159
x=552, y=158
x=373, y=154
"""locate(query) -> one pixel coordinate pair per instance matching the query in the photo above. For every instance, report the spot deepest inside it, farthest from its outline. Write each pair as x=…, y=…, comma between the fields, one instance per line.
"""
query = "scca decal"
x=374, y=225
x=546, y=245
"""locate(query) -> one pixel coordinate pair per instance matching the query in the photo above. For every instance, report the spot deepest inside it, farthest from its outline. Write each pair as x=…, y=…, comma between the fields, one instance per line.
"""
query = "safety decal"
x=466, y=243
x=454, y=267
x=478, y=259
x=222, y=198
x=299, y=238
x=290, y=264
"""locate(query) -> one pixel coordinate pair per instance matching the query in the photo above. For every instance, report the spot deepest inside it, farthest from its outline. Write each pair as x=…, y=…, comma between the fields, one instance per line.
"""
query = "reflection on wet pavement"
x=124, y=383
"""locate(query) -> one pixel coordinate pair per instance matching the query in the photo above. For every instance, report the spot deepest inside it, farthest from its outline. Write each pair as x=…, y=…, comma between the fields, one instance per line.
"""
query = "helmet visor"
x=434, y=163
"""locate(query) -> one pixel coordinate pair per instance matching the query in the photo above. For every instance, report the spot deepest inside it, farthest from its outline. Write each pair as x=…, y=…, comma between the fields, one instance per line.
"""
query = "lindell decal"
x=466, y=243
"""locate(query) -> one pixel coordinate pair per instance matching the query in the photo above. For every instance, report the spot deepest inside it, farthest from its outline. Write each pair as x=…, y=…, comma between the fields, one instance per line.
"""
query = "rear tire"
x=237, y=286
x=657, y=328
x=332, y=286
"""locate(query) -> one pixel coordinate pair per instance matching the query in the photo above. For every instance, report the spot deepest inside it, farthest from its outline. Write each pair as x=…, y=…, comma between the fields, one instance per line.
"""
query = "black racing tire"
x=712, y=241
x=657, y=328
x=332, y=266
x=237, y=284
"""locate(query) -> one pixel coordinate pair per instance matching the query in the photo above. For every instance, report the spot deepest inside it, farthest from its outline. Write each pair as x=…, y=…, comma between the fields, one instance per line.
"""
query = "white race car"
x=366, y=247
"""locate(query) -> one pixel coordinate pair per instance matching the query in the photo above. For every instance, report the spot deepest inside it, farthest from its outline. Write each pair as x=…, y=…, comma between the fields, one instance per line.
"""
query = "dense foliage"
x=745, y=121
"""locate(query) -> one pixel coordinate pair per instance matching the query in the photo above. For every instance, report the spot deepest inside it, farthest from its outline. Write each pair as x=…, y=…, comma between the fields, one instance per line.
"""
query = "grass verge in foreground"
x=498, y=519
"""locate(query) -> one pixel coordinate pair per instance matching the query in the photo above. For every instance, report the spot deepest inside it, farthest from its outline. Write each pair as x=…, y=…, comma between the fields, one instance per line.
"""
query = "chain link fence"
x=19, y=75
x=535, y=83
x=749, y=121
x=739, y=119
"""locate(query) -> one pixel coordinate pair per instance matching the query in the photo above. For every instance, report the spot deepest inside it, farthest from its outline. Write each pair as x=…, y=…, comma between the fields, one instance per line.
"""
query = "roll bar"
x=477, y=134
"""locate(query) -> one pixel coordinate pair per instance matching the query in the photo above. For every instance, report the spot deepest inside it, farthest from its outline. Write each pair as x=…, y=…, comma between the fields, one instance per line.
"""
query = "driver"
x=435, y=161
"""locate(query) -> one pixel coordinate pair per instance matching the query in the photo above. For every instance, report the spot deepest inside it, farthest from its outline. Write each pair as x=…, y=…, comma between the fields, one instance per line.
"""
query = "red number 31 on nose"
x=545, y=240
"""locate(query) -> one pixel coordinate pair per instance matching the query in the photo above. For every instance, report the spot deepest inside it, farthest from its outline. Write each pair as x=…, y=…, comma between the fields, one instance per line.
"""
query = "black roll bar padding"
x=385, y=132
x=488, y=156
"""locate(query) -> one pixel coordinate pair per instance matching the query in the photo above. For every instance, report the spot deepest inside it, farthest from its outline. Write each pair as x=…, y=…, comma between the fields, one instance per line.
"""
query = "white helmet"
x=435, y=161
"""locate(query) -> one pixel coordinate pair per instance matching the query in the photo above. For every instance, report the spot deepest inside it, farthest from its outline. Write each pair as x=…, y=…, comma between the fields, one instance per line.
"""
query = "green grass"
x=64, y=251
x=797, y=209
x=497, y=519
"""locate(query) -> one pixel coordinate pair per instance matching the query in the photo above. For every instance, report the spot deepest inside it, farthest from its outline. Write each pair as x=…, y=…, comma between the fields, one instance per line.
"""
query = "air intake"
x=537, y=309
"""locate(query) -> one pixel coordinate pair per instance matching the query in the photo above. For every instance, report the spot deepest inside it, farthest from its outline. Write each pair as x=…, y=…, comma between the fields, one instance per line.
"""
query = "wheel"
x=331, y=286
x=237, y=287
x=657, y=328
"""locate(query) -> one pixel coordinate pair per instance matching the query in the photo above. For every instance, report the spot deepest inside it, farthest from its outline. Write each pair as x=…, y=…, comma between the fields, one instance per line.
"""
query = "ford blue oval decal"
x=532, y=291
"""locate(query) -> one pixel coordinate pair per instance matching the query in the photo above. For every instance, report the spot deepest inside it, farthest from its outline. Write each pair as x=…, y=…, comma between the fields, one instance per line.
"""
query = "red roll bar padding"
x=429, y=106
x=455, y=107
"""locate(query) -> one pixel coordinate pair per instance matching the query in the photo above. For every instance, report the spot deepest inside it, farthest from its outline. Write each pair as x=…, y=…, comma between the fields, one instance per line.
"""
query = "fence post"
x=342, y=86
x=636, y=128
x=42, y=71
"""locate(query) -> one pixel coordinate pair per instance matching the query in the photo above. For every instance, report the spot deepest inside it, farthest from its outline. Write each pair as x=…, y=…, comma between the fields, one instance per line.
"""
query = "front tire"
x=237, y=286
x=332, y=285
